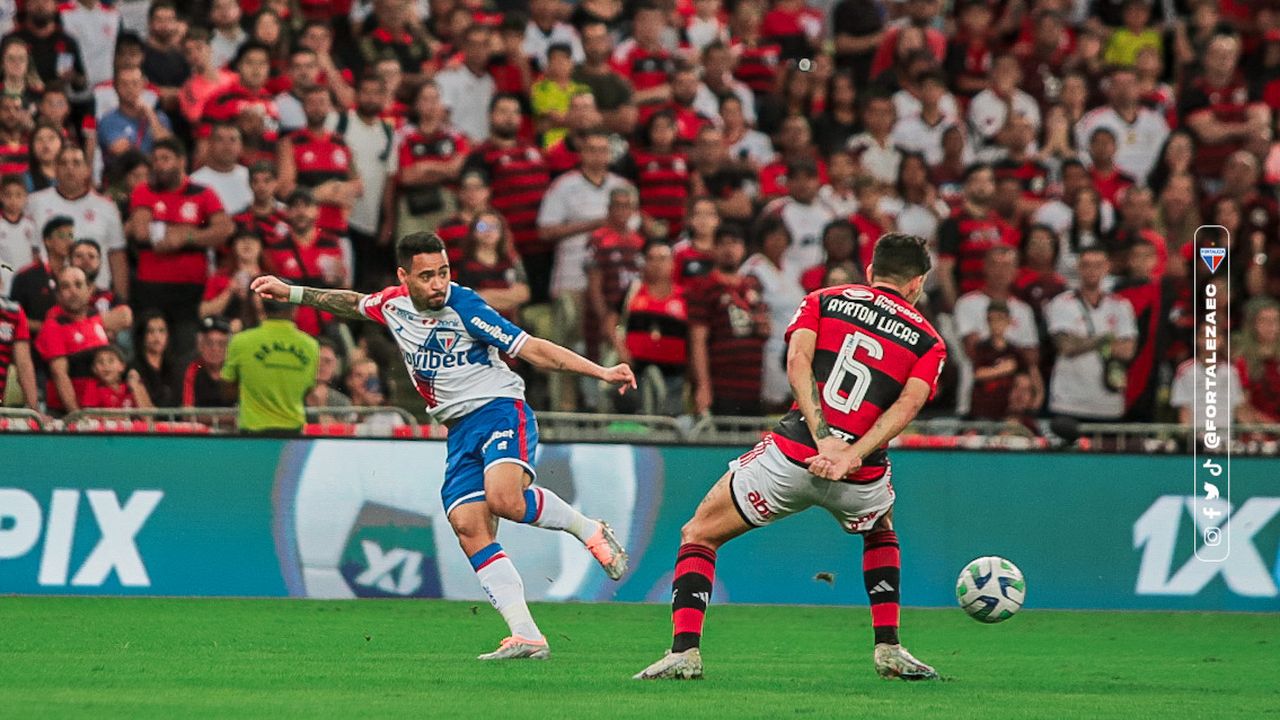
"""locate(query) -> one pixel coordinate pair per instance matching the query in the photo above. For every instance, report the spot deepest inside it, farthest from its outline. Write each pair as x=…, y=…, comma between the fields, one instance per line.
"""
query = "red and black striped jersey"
x=227, y=104
x=657, y=329
x=440, y=145
x=1229, y=103
x=644, y=68
x=15, y=158
x=966, y=239
x=303, y=264
x=737, y=320
x=13, y=329
x=190, y=204
x=273, y=228
x=870, y=342
x=453, y=231
x=518, y=178
x=1032, y=174
x=502, y=275
x=757, y=66
x=663, y=182
x=319, y=158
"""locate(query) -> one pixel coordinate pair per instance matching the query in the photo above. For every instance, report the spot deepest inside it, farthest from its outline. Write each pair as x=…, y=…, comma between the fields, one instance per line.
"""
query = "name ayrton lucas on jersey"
x=876, y=317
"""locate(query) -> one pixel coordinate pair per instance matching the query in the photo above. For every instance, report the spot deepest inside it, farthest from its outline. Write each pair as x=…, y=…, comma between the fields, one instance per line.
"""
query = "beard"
x=504, y=132
x=168, y=180
x=368, y=109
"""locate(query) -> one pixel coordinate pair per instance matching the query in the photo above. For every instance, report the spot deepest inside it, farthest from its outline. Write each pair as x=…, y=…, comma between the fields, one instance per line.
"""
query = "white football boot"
x=518, y=648
x=893, y=661
x=685, y=665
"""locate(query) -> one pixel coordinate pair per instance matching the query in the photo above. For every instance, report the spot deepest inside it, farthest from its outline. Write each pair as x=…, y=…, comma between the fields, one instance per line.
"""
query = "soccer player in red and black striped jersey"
x=518, y=178
x=861, y=361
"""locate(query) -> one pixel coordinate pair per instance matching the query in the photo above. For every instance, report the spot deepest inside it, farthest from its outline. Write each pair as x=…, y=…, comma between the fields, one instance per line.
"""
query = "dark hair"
x=248, y=47
x=86, y=241
x=110, y=348
x=767, y=226
x=730, y=231
x=197, y=33
x=262, y=166
x=899, y=256
x=56, y=222
x=172, y=144
x=410, y=246
x=975, y=168
x=1102, y=131
x=13, y=179
x=273, y=308
x=560, y=48
x=499, y=97
x=506, y=247
x=998, y=306
x=159, y=5
x=224, y=125
x=1041, y=227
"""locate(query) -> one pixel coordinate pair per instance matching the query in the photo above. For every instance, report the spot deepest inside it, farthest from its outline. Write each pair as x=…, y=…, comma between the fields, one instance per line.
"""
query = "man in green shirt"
x=274, y=366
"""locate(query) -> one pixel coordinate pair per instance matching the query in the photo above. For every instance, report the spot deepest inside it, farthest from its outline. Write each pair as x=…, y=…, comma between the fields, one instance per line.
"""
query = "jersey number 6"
x=847, y=365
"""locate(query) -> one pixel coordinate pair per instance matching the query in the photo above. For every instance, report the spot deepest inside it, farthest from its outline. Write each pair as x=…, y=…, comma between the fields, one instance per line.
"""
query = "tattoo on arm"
x=343, y=303
x=821, y=429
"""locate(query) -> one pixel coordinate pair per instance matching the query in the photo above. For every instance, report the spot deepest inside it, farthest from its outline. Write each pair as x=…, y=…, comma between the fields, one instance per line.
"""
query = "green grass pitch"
x=170, y=658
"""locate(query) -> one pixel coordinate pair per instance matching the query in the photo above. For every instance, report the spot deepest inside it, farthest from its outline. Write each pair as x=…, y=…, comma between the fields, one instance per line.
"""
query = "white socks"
x=500, y=580
x=545, y=509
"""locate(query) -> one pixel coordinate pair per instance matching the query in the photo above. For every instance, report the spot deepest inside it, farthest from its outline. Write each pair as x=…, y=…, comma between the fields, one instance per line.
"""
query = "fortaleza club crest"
x=1212, y=257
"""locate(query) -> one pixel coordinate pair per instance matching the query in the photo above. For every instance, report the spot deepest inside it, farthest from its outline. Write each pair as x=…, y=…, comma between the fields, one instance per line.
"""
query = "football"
x=991, y=589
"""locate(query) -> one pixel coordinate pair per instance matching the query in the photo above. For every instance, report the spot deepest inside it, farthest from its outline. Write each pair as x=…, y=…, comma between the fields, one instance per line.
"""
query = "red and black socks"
x=691, y=593
x=882, y=573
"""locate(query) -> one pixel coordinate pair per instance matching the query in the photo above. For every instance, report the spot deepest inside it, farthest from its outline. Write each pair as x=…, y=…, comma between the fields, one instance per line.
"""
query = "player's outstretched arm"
x=546, y=355
x=343, y=303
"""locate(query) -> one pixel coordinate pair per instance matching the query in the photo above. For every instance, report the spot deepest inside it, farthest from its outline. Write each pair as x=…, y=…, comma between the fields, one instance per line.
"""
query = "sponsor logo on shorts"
x=760, y=504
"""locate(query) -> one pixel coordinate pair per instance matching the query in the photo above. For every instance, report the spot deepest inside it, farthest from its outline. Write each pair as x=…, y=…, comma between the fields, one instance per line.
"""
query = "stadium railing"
x=396, y=422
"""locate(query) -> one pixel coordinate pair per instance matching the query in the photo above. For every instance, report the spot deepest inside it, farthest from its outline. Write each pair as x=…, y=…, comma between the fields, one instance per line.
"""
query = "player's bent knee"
x=507, y=505
x=694, y=532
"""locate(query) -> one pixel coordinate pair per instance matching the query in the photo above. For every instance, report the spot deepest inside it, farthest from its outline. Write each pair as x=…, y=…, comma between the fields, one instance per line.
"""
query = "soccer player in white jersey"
x=450, y=339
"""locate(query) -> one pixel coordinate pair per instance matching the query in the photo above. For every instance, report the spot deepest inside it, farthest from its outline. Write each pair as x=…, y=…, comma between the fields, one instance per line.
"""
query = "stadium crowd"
x=655, y=182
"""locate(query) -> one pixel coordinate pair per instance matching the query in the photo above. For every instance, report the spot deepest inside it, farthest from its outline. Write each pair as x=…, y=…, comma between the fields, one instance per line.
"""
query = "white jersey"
x=231, y=187
x=452, y=354
x=95, y=30
x=96, y=218
x=18, y=241
x=1138, y=144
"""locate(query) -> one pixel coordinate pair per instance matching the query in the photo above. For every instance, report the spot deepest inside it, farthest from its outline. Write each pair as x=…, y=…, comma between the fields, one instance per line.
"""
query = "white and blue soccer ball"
x=991, y=589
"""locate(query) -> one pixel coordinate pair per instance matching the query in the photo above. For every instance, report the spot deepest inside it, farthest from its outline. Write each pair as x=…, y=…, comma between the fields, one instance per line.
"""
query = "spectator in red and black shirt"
x=1152, y=296
x=173, y=223
x=612, y=265
x=965, y=237
x=202, y=383
x=731, y=185
x=15, y=350
x=684, y=92
x=33, y=287
x=644, y=61
x=654, y=334
x=391, y=32
x=308, y=255
x=1257, y=351
x=968, y=61
x=318, y=160
x=728, y=326
x=1110, y=181
x=112, y=385
x=490, y=266
x=226, y=294
x=431, y=158
x=691, y=256
x=55, y=55
x=995, y=365
x=86, y=254
x=518, y=177
x=72, y=330
x=15, y=136
x=265, y=216
x=1220, y=109
x=661, y=174
x=473, y=198
x=247, y=103
x=758, y=58
x=581, y=120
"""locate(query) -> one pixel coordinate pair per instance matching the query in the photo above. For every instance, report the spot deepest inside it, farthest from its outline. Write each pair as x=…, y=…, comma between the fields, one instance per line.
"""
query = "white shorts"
x=766, y=486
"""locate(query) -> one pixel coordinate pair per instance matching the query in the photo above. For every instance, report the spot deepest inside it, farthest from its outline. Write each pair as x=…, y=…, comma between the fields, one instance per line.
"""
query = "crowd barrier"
x=343, y=518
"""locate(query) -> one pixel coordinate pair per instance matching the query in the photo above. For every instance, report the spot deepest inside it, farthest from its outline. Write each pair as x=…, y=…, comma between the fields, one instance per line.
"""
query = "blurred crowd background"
x=657, y=182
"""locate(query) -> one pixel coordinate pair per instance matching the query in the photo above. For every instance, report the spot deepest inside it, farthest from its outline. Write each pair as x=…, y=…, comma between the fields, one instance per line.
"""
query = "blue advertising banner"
x=349, y=518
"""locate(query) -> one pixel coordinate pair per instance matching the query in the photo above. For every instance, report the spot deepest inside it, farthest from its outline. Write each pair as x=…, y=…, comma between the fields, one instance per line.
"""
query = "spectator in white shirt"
x=228, y=35
x=989, y=110
x=922, y=132
x=1140, y=133
x=782, y=292
x=745, y=144
x=95, y=26
x=545, y=29
x=718, y=83
x=222, y=172
x=1000, y=267
x=1096, y=334
x=468, y=88
x=875, y=146
x=1188, y=394
x=804, y=216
